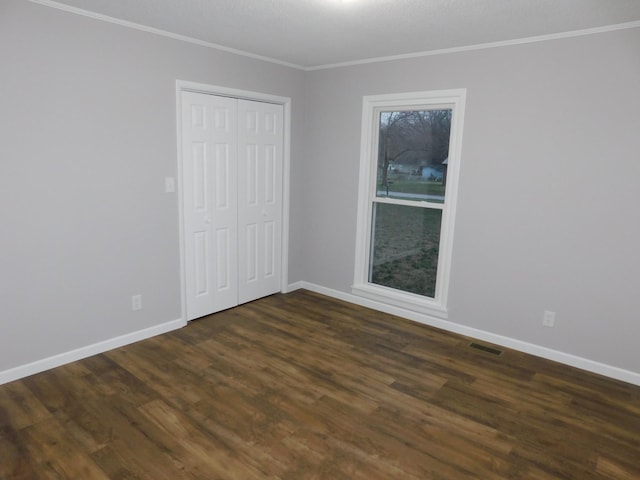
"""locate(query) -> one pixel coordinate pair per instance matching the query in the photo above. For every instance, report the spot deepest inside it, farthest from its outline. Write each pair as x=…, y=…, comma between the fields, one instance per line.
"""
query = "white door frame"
x=181, y=86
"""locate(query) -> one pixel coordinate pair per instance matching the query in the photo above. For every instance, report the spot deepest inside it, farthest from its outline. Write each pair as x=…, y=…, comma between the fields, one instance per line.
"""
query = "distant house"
x=433, y=172
x=401, y=168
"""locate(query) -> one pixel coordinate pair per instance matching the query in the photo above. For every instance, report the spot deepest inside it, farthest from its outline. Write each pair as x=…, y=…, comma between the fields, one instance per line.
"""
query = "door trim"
x=182, y=85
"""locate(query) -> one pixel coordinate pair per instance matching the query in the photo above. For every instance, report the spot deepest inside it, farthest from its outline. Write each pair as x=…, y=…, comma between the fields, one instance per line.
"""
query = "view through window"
x=408, y=187
x=413, y=153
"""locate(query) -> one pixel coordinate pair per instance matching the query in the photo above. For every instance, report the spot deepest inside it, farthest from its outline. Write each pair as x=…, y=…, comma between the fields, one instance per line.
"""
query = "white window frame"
x=371, y=106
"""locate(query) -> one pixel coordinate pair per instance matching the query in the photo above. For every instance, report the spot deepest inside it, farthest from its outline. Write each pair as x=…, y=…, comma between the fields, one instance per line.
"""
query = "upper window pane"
x=413, y=154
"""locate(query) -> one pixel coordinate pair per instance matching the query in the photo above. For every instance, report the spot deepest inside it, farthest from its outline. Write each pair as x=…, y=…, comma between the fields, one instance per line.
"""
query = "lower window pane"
x=405, y=245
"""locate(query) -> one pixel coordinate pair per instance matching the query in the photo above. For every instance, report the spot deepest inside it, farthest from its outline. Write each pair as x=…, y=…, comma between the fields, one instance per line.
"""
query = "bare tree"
x=421, y=137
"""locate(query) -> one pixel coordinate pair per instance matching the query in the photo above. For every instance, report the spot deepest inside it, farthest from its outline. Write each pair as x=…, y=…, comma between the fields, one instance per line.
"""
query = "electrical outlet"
x=549, y=318
x=136, y=302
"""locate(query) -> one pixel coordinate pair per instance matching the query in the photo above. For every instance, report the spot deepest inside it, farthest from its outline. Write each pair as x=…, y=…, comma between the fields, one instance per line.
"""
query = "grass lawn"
x=405, y=248
x=409, y=185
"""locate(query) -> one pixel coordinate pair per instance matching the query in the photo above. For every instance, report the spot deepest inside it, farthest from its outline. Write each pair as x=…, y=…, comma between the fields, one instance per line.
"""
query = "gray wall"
x=87, y=136
x=548, y=213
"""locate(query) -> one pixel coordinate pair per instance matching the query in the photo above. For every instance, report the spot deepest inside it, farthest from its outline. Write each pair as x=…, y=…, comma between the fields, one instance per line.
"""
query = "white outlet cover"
x=549, y=318
x=169, y=184
x=136, y=302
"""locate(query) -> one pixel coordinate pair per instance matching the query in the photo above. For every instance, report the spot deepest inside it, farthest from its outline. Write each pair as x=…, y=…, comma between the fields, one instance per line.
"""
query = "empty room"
x=319, y=239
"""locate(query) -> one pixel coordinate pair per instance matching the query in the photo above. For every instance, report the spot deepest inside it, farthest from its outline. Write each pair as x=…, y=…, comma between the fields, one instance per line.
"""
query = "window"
x=408, y=184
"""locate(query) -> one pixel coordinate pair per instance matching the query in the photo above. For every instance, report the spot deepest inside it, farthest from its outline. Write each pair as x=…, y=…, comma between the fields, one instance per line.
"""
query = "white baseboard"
x=296, y=286
x=38, y=366
x=526, y=347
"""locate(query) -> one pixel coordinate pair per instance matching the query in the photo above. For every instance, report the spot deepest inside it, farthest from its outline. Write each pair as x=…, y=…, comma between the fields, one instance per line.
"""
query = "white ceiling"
x=313, y=33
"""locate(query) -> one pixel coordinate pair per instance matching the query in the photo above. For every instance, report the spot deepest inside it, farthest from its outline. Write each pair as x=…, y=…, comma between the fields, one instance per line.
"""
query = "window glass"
x=406, y=242
x=413, y=154
x=409, y=169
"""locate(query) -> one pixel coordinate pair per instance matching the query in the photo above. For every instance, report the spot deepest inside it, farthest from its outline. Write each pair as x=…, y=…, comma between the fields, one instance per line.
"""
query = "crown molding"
x=163, y=33
x=483, y=46
x=425, y=53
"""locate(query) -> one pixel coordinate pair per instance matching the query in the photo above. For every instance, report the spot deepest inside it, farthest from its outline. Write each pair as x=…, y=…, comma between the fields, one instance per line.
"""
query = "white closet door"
x=232, y=200
x=209, y=146
x=260, y=163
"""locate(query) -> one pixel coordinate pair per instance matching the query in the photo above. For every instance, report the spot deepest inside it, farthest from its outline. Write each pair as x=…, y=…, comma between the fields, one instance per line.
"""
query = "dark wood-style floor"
x=301, y=386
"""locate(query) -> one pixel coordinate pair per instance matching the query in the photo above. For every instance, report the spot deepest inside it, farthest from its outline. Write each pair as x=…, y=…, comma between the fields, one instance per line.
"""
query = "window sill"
x=407, y=301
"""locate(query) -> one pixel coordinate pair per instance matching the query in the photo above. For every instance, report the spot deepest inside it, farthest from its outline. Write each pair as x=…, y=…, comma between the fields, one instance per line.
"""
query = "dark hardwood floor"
x=301, y=386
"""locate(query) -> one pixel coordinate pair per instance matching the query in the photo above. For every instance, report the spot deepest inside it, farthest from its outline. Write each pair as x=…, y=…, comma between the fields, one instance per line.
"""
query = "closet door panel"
x=260, y=160
x=209, y=150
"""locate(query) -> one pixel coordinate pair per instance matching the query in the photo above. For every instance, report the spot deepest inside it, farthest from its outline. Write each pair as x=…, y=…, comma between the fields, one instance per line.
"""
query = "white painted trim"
x=404, y=300
x=286, y=196
x=178, y=190
x=426, y=53
x=481, y=46
x=297, y=286
x=38, y=366
x=454, y=99
x=410, y=203
x=183, y=85
x=522, y=346
x=163, y=33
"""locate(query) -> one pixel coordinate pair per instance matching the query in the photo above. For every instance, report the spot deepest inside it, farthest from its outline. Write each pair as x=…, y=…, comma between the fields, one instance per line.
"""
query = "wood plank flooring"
x=301, y=386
